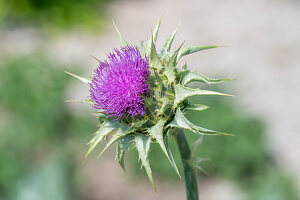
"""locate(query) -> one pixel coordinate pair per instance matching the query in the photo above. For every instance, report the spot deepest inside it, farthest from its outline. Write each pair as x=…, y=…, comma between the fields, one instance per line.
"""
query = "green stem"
x=189, y=173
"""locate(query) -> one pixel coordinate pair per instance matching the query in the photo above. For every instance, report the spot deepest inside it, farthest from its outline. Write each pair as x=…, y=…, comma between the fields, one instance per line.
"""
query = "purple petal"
x=120, y=82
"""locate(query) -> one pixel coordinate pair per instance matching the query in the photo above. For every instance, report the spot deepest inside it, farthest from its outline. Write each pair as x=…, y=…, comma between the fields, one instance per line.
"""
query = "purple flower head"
x=120, y=82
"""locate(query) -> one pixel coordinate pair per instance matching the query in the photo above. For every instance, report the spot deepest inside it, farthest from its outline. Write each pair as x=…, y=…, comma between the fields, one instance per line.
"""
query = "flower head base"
x=120, y=82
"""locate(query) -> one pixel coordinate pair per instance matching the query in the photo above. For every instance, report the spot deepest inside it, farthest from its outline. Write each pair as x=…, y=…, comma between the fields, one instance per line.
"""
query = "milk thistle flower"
x=141, y=96
x=120, y=82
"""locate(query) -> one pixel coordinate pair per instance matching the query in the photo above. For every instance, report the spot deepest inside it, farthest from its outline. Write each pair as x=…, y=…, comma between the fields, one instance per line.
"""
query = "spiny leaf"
x=163, y=107
x=196, y=144
x=170, y=74
x=142, y=142
x=193, y=49
x=174, y=57
x=139, y=123
x=170, y=155
x=180, y=121
x=155, y=31
x=152, y=39
x=182, y=93
x=154, y=57
x=196, y=107
x=158, y=81
x=195, y=163
x=79, y=77
x=171, y=65
x=106, y=128
x=123, y=42
x=168, y=44
x=187, y=76
x=121, y=132
x=123, y=145
x=156, y=132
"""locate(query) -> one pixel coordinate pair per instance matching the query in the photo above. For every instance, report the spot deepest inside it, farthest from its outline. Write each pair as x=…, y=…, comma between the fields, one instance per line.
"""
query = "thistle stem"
x=189, y=173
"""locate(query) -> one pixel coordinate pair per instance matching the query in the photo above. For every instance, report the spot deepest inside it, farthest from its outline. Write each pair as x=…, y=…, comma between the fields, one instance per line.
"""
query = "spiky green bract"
x=165, y=106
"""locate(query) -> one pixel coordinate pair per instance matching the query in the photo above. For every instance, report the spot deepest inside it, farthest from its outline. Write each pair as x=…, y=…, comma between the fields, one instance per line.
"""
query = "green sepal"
x=142, y=142
x=180, y=121
x=155, y=31
x=193, y=49
x=122, y=131
x=168, y=44
x=84, y=80
x=170, y=74
x=155, y=60
x=163, y=107
x=158, y=81
x=156, y=132
x=123, y=145
x=187, y=76
x=152, y=39
x=123, y=42
x=170, y=68
x=139, y=123
x=105, y=129
x=182, y=93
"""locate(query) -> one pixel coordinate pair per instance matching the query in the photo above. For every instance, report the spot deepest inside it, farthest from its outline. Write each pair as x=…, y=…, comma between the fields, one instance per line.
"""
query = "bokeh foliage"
x=36, y=126
x=58, y=14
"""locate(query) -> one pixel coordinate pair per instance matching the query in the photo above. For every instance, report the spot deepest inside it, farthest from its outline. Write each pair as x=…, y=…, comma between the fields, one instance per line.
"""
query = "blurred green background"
x=43, y=142
x=54, y=15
